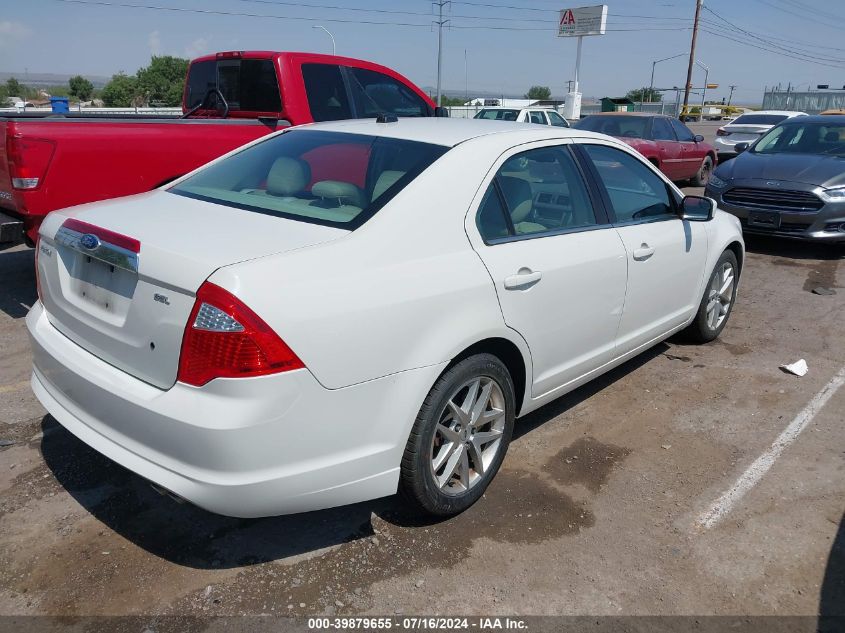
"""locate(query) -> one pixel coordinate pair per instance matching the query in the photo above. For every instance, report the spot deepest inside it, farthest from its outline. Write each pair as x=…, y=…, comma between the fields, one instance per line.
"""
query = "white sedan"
x=343, y=310
x=747, y=128
x=541, y=116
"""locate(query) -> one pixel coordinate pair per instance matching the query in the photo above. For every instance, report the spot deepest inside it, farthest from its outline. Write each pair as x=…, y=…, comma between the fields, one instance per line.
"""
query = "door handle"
x=525, y=277
x=643, y=252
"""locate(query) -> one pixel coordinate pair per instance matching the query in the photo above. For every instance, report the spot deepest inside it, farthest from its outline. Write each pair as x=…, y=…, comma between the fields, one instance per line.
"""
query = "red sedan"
x=665, y=141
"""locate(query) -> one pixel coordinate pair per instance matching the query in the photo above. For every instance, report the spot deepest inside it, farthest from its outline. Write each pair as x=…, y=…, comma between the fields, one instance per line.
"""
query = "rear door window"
x=375, y=93
x=682, y=131
x=661, y=130
x=327, y=97
x=537, y=117
x=536, y=192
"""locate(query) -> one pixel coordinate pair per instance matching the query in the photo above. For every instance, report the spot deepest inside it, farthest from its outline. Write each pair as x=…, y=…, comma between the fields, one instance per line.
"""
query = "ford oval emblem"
x=89, y=241
x=773, y=183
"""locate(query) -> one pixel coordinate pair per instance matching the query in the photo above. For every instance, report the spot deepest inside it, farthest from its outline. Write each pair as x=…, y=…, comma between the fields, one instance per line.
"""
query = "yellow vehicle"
x=837, y=111
x=711, y=113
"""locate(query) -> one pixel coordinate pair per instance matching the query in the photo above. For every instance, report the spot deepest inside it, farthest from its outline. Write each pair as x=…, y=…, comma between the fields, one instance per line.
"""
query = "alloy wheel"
x=468, y=435
x=720, y=295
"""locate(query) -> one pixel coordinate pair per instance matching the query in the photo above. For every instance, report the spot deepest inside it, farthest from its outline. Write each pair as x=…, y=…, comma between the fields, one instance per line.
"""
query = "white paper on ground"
x=799, y=367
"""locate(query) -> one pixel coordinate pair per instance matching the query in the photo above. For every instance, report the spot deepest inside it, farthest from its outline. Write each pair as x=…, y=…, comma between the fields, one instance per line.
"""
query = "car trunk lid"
x=119, y=278
x=746, y=133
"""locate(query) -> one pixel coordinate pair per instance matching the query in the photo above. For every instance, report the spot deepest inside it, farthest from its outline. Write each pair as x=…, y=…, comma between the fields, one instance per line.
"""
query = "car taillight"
x=722, y=132
x=28, y=161
x=225, y=339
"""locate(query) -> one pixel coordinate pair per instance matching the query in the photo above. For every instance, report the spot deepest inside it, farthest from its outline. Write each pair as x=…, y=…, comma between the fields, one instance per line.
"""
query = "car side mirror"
x=740, y=147
x=440, y=111
x=698, y=138
x=697, y=209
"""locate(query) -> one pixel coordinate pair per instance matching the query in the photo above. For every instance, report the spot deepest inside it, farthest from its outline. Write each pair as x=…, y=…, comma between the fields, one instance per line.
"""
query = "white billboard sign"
x=582, y=21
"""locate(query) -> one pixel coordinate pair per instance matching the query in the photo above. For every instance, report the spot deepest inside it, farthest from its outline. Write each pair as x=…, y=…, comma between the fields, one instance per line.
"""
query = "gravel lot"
x=596, y=511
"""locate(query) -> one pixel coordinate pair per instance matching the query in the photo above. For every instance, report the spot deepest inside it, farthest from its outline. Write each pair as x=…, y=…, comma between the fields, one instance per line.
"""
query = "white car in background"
x=542, y=116
x=343, y=310
x=747, y=128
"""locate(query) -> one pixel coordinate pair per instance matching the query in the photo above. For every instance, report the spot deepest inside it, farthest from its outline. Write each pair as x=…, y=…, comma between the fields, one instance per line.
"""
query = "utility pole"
x=440, y=22
x=466, y=79
x=692, y=53
x=731, y=95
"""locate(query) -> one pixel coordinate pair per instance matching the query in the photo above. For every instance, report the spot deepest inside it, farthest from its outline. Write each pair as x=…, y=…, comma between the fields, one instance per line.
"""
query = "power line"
x=809, y=55
x=778, y=37
x=768, y=50
x=152, y=7
x=106, y=3
x=803, y=16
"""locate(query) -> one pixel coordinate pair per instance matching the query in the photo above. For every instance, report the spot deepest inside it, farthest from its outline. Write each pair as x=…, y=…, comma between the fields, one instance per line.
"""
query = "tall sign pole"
x=692, y=54
x=578, y=22
x=440, y=22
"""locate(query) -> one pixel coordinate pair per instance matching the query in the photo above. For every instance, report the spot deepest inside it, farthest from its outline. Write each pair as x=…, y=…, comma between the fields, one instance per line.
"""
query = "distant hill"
x=50, y=79
x=487, y=94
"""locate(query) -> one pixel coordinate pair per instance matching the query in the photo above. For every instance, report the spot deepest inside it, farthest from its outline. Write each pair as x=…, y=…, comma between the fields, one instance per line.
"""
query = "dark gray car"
x=791, y=182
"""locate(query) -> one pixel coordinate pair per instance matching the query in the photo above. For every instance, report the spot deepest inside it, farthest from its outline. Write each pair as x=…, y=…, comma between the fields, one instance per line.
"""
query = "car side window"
x=375, y=92
x=326, y=92
x=535, y=192
x=636, y=193
x=537, y=117
x=661, y=130
x=556, y=120
x=683, y=132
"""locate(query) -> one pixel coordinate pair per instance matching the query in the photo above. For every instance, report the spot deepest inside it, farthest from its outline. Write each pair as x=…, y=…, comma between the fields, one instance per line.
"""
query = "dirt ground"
x=596, y=510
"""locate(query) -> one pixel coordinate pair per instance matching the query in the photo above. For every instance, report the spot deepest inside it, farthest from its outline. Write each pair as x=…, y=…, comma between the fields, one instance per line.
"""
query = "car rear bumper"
x=825, y=225
x=241, y=447
x=724, y=147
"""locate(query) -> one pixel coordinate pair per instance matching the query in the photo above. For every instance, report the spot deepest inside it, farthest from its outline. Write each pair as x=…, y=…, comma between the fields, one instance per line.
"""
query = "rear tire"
x=717, y=302
x=460, y=437
x=703, y=175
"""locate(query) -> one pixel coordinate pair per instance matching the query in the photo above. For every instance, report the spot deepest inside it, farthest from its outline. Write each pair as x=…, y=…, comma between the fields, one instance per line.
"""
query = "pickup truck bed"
x=92, y=158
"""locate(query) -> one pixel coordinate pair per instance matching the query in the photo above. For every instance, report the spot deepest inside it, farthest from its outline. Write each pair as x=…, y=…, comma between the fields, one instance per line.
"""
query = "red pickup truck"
x=48, y=162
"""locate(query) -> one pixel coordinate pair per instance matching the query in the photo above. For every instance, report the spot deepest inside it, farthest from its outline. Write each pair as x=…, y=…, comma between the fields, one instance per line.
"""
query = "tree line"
x=158, y=84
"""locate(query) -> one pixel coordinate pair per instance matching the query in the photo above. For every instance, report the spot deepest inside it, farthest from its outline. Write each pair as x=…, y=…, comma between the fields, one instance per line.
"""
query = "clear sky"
x=749, y=43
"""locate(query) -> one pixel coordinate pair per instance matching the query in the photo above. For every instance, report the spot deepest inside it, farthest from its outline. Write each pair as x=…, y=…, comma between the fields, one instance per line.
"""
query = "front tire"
x=718, y=300
x=703, y=176
x=460, y=437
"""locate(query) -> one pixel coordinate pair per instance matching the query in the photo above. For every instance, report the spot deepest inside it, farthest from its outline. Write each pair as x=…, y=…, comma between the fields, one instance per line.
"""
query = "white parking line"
x=724, y=504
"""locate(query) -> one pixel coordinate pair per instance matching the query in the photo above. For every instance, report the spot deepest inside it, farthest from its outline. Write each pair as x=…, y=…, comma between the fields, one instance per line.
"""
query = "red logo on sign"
x=567, y=17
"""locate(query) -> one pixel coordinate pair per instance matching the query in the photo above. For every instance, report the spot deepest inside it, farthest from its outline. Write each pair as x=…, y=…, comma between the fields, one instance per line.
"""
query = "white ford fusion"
x=344, y=310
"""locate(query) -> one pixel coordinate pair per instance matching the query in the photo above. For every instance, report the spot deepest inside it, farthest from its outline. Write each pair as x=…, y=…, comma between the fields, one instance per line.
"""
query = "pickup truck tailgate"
x=119, y=278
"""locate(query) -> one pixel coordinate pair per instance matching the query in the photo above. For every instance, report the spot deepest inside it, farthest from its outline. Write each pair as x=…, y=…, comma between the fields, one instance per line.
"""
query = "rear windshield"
x=803, y=138
x=329, y=178
x=498, y=115
x=759, y=119
x=246, y=84
x=616, y=125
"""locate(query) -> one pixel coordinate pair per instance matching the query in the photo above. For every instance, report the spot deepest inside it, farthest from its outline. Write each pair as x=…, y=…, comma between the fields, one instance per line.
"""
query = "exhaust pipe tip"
x=164, y=492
